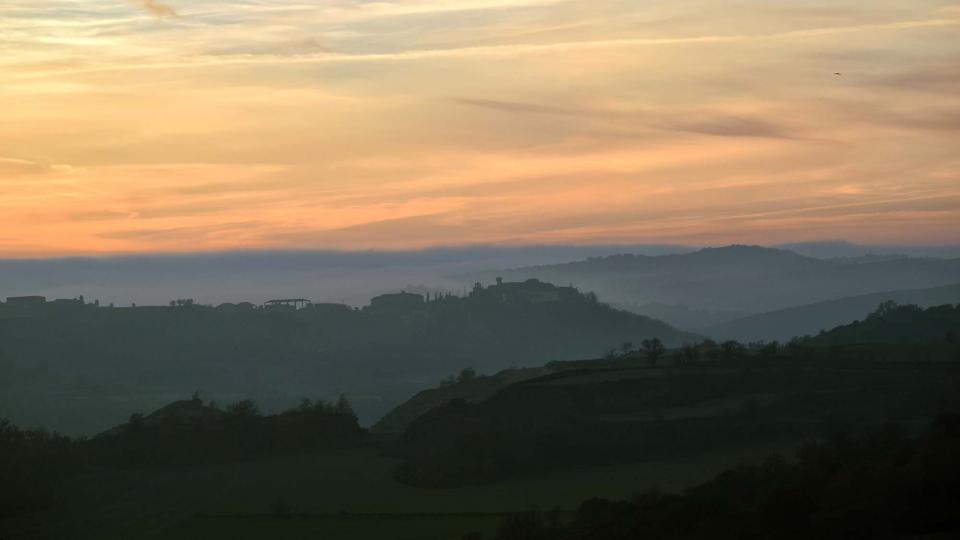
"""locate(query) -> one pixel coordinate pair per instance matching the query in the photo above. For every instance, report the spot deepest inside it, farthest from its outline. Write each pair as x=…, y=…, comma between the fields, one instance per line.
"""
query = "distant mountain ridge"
x=750, y=279
x=812, y=318
x=842, y=249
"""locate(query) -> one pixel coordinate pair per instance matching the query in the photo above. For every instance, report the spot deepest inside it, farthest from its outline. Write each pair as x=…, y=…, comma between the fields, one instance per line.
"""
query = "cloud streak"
x=492, y=51
x=158, y=9
x=411, y=123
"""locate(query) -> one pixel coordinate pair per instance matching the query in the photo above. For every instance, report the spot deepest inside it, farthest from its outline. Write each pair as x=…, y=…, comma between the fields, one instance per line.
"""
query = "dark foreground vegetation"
x=873, y=484
x=184, y=433
x=898, y=324
x=624, y=410
x=900, y=364
x=191, y=433
x=31, y=461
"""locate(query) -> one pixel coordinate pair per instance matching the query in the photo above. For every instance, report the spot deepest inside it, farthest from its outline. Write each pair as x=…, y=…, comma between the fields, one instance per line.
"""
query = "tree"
x=246, y=408
x=885, y=308
x=343, y=407
x=653, y=349
x=689, y=354
x=626, y=347
x=768, y=351
x=710, y=349
x=731, y=349
x=136, y=420
x=467, y=375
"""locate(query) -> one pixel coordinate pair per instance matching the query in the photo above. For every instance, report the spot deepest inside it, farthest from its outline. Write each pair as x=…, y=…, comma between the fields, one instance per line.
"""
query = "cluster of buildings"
x=531, y=291
x=41, y=301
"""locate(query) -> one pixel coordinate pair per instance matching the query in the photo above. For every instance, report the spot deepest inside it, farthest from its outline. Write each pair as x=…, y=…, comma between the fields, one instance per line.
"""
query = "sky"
x=203, y=125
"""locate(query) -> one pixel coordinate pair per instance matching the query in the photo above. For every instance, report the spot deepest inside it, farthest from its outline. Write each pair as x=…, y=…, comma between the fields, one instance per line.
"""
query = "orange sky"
x=221, y=124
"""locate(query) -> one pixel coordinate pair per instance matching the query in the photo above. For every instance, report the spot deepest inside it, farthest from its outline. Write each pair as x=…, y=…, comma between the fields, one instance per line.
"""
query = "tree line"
x=873, y=484
x=183, y=433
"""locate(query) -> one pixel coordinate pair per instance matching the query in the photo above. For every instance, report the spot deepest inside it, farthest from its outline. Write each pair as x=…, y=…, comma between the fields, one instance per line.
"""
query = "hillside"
x=81, y=368
x=748, y=279
x=472, y=390
x=615, y=412
x=894, y=324
x=812, y=318
x=193, y=433
x=876, y=483
x=681, y=316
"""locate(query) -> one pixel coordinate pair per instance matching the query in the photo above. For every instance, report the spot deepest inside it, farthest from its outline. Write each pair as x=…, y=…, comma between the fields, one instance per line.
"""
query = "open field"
x=236, y=500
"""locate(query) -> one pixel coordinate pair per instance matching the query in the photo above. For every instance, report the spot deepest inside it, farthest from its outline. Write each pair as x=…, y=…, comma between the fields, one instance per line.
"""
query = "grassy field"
x=346, y=496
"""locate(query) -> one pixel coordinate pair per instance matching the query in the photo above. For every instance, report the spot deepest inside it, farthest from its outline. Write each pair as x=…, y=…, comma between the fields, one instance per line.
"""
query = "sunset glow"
x=220, y=124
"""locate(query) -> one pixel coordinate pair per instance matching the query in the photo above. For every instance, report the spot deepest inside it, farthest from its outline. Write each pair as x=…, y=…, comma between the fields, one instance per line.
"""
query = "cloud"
x=622, y=119
x=443, y=228
x=16, y=166
x=517, y=107
x=158, y=9
x=490, y=51
x=102, y=215
x=937, y=77
x=703, y=124
x=732, y=126
x=290, y=47
x=182, y=234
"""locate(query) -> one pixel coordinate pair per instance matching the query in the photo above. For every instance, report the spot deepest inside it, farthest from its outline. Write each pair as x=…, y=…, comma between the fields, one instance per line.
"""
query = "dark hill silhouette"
x=622, y=410
x=896, y=324
x=749, y=279
x=92, y=359
x=874, y=483
x=473, y=390
x=192, y=433
x=812, y=318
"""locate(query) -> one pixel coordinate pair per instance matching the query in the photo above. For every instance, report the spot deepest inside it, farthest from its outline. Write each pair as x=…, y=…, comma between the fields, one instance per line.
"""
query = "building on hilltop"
x=330, y=308
x=531, y=291
x=401, y=301
x=288, y=303
x=26, y=300
x=68, y=302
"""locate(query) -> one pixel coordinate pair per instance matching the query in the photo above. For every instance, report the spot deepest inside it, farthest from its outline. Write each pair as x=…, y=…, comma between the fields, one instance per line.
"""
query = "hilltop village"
x=530, y=291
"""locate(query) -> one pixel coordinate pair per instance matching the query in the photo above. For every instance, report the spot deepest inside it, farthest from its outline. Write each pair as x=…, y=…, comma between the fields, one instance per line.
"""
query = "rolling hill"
x=895, y=324
x=749, y=279
x=81, y=368
x=812, y=318
x=625, y=414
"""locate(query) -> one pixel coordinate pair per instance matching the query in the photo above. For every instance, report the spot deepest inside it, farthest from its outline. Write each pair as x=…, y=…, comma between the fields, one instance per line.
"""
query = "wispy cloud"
x=732, y=126
x=158, y=9
x=517, y=107
x=352, y=123
x=492, y=51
